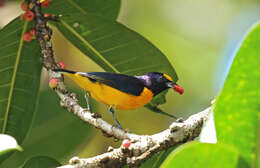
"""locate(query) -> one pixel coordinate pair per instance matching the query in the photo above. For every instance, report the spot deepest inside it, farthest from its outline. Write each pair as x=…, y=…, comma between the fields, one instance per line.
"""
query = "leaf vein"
x=103, y=37
x=19, y=52
x=3, y=100
x=7, y=56
x=93, y=49
x=6, y=69
x=9, y=44
x=4, y=85
x=116, y=47
x=22, y=90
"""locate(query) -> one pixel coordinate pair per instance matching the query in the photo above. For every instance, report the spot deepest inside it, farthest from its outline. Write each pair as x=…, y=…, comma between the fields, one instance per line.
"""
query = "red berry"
x=32, y=31
x=24, y=6
x=27, y=37
x=53, y=83
x=178, y=89
x=126, y=143
x=62, y=65
x=47, y=15
x=29, y=15
x=46, y=3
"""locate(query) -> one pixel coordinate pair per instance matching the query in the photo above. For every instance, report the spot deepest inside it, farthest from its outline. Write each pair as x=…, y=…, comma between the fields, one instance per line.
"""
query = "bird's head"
x=158, y=82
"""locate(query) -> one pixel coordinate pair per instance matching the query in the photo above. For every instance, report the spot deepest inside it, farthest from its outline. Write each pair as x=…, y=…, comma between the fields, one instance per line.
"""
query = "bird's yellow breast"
x=111, y=96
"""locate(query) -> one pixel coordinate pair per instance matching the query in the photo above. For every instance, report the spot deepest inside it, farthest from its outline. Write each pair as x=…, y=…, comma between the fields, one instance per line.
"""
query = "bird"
x=121, y=91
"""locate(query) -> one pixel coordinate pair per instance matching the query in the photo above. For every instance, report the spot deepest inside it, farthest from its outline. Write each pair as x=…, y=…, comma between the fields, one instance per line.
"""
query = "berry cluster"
x=28, y=36
x=29, y=16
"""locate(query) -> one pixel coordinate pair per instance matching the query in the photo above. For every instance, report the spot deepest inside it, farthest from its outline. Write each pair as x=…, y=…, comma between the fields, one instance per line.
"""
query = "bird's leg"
x=111, y=110
x=87, y=95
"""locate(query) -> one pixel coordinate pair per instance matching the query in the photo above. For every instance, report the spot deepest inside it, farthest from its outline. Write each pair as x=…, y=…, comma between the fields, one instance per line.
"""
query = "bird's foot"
x=117, y=126
x=86, y=110
x=96, y=115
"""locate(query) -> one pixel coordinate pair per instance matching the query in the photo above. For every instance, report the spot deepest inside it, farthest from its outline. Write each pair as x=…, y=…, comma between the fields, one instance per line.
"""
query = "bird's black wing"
x=124, y=83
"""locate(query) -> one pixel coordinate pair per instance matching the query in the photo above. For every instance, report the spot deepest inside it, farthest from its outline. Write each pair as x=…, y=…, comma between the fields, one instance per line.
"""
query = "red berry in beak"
x=178, y=89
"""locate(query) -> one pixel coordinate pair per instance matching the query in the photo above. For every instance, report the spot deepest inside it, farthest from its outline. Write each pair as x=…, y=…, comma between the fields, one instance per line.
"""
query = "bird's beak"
x=175, y=87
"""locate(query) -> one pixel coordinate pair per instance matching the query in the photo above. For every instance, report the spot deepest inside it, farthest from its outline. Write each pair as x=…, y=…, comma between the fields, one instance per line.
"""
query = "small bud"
x=24, y=6
x=46, y=37
x=126, y=143
x=32, y=31
x=27, y=37
x=46, y=3
x=46, y=15
x=53, y=83
x=30, y=5
x=74, y=160
x=62, y=65
x=22, y=17
x=29, y=15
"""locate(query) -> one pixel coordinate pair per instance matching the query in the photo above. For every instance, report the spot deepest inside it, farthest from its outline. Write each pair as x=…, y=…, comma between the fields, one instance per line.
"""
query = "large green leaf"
x=113, y=46
x=53, y=125
x=41, y=162
x=19, y=80
x=157, y=159
x=104, y=8
x=198, y=155
x=237, y=109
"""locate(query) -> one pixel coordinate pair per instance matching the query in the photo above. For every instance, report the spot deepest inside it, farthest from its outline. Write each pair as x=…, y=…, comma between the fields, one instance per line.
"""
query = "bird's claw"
x=180, y=120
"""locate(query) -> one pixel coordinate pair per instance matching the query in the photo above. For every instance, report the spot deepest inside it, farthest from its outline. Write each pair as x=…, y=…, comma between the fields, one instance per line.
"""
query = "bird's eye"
x=160, y=78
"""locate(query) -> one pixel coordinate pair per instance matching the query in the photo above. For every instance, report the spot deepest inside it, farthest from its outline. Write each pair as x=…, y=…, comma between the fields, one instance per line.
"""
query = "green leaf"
x=104, y=8
x=237, y=108
x=53, y=125
x=198, y=155
x=20, y=78
x=41, y=162
x=7, y=145
x=157, y=159
x=113, y=46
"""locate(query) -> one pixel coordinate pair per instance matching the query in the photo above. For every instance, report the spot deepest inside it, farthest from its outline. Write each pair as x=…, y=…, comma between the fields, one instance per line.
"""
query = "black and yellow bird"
x=120, y=91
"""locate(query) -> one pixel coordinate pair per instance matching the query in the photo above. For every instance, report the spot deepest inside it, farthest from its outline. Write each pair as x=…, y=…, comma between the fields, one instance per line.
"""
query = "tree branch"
x=142, y=146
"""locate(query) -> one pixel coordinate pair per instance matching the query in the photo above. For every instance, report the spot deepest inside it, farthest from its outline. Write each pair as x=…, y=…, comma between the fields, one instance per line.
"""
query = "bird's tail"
x=64, y=71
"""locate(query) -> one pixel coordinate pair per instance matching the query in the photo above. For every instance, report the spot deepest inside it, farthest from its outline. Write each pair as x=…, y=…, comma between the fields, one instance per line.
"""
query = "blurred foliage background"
x=198, y=37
